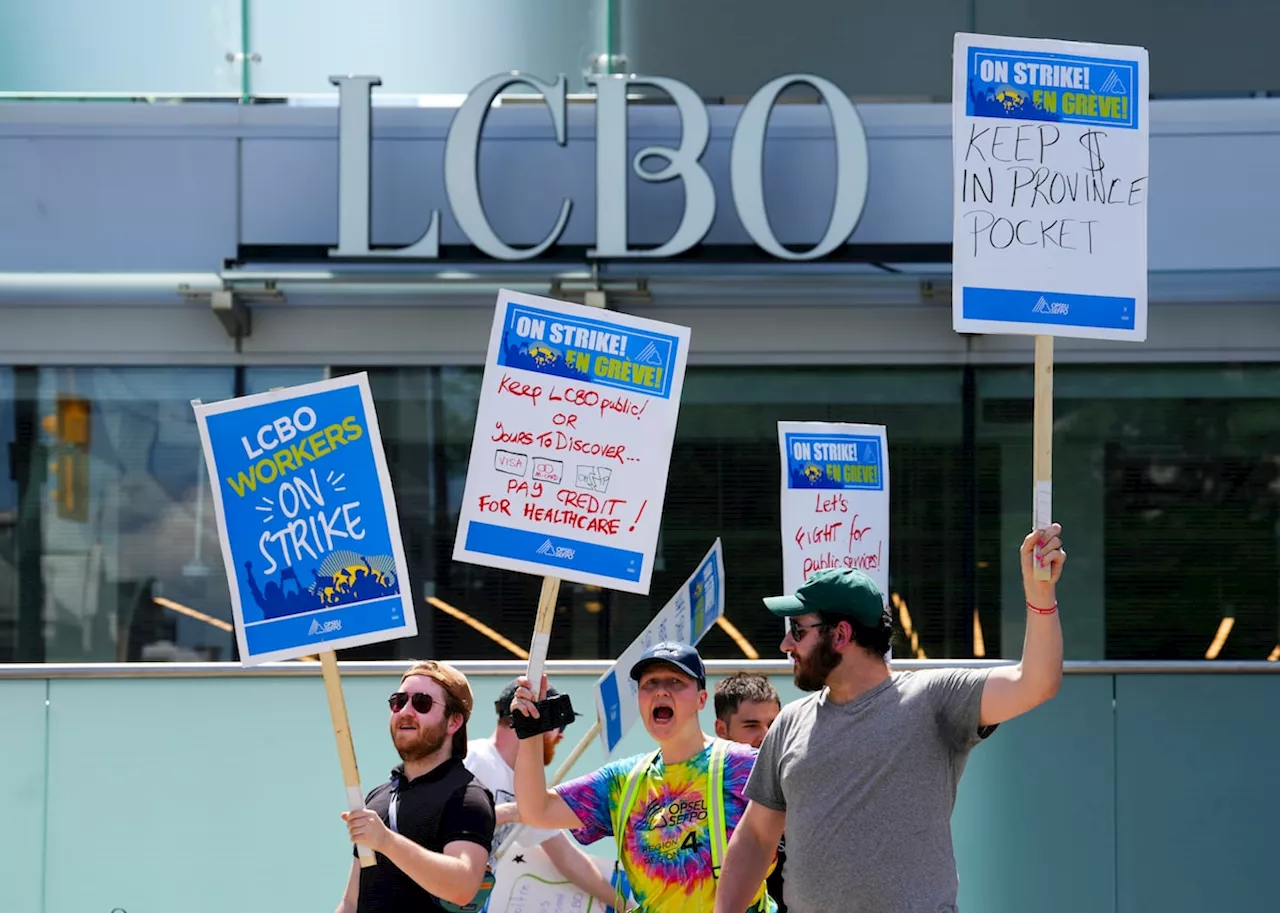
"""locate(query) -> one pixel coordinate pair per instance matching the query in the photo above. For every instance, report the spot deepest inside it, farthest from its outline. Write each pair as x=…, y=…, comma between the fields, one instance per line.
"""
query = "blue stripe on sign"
x=315, y=628
x=612, y=709
x=556, y=551
x=1104, y=312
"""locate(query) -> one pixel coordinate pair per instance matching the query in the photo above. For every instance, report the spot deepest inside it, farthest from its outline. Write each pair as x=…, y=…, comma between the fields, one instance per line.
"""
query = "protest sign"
x=1050, y=143
x=309, y=532
x=835, y=500
x=688, y=616
x=568, y=468
x=307, y=520
x=526, y=881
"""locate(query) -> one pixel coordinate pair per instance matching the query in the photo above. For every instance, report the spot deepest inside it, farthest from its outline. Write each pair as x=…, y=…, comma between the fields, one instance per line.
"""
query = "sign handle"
x=1043, y=441
x=590, y=736
x=537, y=659
x=346, y=749
x=542, y=630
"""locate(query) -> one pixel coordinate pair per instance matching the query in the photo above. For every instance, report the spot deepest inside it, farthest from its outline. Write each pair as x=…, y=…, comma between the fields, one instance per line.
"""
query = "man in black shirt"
x=431, y=824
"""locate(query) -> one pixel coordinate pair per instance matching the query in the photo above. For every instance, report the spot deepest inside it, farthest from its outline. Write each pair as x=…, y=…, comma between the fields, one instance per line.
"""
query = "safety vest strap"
x=719, y=749
x=715, y=805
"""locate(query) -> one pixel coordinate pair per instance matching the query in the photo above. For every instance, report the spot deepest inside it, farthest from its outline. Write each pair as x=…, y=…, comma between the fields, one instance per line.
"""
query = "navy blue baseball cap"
x=671, y=653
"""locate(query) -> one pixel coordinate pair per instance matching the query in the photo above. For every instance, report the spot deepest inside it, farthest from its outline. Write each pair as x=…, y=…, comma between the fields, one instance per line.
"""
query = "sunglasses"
x=422, y=702
x=798, y=632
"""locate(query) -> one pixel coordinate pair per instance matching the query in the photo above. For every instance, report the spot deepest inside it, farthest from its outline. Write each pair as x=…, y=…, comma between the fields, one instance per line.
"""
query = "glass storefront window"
x=1167, y=483
x=113, y=553
x=1166, y=480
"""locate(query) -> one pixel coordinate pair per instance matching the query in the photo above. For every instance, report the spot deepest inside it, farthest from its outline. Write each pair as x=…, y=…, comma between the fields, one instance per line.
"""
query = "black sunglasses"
x=422, y=702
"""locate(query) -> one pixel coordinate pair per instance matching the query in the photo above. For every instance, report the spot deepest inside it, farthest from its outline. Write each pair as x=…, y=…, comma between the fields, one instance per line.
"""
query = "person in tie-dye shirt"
x=666, y=841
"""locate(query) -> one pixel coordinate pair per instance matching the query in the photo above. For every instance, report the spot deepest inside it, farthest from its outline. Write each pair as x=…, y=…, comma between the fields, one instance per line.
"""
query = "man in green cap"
x=862, y=774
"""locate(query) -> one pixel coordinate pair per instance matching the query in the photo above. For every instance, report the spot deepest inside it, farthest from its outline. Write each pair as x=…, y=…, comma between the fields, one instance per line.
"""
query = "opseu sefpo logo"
x=551, y=550
x=1044, y=306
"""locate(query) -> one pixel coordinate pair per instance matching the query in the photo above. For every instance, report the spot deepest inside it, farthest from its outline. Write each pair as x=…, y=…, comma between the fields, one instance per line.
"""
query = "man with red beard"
x=863, y=774
x=671, y=811
x=493, y=761
x=431, y=824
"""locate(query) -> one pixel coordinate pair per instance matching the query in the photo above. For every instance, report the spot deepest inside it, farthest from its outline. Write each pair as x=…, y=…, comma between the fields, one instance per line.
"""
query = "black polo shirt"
x=435, y=809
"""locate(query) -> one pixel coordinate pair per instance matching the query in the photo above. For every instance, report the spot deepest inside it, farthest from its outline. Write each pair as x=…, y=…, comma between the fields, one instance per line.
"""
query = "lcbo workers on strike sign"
x=568, y=467
x=1050, y=233
x=306, y=519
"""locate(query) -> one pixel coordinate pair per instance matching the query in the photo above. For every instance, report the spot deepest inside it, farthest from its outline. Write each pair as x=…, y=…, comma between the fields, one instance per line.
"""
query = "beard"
x=422, y=744
x=811, y=672
x=548, y=751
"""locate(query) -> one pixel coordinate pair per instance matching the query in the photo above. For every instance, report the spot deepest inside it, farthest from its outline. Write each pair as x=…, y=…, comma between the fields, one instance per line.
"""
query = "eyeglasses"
x=422, y=702
x=805, y=629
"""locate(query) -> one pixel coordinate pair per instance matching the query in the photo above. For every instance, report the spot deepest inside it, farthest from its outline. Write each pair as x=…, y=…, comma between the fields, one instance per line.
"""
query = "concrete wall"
x=213, y=789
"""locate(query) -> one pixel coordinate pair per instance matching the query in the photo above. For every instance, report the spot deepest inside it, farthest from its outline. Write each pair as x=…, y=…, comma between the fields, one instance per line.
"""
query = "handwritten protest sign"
x=688, y=616
x=307, y=520
x=568, y=468
x=835, y=500
x=527, y=882
x=1050, y=142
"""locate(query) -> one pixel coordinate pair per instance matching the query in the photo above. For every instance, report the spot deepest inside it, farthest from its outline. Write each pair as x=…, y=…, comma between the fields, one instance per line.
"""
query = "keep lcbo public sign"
x=614, y=165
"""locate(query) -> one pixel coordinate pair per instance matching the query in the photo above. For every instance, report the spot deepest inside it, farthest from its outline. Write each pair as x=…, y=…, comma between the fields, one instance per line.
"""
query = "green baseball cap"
x=835, y=591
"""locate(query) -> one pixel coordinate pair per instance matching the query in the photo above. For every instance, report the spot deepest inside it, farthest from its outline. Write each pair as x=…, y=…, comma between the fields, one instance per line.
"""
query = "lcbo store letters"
x=612, y=162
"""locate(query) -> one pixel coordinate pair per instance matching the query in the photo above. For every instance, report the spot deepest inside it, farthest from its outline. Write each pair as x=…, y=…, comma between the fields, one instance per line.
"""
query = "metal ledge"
x=593, y=668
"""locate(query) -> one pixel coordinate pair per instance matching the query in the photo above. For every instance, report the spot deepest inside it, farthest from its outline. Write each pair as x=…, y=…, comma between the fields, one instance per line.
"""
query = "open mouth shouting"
x=662, y=713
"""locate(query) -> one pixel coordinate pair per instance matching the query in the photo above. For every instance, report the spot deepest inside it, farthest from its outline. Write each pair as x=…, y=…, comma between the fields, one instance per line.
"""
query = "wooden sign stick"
x=342, y=734
x=346, y=749
x=1042, y=511
x=542, y=631
x=537, y=659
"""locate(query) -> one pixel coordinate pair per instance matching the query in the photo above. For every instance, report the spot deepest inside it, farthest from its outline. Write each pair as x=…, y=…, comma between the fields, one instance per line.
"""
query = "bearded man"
x=862, y=774
x=431, y=825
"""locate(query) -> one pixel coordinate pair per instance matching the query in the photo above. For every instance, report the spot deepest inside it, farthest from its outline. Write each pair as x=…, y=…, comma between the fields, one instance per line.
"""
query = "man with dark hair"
x=431, y=824
x=863, y=774
x=493, y=761
x=746, y=705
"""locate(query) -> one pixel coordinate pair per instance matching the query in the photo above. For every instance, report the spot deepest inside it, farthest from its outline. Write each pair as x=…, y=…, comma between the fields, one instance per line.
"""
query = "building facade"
x=155, y=254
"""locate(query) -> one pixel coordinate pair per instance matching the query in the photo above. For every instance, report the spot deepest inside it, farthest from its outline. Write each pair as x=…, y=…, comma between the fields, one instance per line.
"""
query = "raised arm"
x=538, y=806
x=746, y=862
x=1013, y=690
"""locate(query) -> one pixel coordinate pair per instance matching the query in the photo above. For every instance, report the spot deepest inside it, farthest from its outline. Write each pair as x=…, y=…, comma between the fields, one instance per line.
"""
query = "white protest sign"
x=835, y=500
x=685, y=618
x=527, y=882
x=568, y=468
x=1050, y=219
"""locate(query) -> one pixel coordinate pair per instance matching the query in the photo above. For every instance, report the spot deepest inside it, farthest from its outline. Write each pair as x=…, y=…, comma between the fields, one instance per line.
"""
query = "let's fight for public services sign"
x=835, y=500
x=568, y=467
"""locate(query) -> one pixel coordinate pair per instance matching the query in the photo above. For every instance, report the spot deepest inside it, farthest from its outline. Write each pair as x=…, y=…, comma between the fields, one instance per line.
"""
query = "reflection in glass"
x=117, y=545
x=1166, y=480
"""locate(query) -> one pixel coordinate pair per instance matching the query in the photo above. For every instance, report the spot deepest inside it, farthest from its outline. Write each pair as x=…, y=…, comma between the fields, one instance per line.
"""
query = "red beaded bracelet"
x=1040, y=611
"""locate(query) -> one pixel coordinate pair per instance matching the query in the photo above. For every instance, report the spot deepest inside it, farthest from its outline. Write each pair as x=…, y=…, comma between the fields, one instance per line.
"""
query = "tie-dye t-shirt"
x=667, y=853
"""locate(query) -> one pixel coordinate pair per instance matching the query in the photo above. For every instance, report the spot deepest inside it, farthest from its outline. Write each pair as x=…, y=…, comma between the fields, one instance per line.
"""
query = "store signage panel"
x=682, y=162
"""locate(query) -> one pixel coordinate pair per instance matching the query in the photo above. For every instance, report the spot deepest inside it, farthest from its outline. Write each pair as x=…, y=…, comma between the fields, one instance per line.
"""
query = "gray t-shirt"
x=868, y=788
